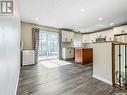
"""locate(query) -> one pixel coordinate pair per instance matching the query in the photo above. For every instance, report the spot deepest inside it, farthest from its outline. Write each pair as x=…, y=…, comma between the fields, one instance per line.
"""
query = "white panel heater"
x=28, y=57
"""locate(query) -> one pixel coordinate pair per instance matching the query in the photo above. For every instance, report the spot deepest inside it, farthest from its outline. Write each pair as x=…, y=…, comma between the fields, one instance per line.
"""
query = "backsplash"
x=67, y=44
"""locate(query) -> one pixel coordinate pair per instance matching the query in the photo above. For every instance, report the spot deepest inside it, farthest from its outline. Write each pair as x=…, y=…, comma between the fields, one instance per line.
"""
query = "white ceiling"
x=80, y=15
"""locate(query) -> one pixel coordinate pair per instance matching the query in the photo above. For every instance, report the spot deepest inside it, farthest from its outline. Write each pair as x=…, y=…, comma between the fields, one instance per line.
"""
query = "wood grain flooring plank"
x=72, y=79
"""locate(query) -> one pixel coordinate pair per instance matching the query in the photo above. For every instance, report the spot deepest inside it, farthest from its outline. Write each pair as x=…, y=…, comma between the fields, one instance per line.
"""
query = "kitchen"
x=63, y=47
x=99, y=45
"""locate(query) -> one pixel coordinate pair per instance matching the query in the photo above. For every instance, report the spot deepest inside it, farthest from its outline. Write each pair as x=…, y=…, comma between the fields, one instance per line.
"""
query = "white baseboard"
x=102, y=79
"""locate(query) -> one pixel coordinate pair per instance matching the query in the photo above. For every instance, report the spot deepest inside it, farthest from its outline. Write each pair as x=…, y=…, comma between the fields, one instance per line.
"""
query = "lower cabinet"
x=67, y=53
x=83, y=55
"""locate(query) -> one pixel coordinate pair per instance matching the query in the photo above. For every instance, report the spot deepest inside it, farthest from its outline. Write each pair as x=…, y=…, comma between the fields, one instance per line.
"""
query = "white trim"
x=102, y=79
x=17, y=81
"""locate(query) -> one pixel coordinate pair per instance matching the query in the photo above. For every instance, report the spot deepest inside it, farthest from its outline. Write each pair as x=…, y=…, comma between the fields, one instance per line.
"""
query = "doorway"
x=48, y=45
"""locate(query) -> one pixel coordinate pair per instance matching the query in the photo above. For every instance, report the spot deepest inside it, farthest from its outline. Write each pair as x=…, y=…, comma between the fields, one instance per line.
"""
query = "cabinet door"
x=109, y=35
x=92, y=38
x=64, y=38
x=118, y=30
x=67, y=36
x=78, y=55
x=103, y=34
x=84, y=39
x=125, y=38
x=72, y=53
x=63, y=53
x=70, y=36
x=67, y=53
x=87, y=38
x=88, y=56
x=125, y=29
x=95, y=36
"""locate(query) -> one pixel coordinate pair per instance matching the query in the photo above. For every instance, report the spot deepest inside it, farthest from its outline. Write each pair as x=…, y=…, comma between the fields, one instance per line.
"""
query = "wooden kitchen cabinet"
x=83, y=55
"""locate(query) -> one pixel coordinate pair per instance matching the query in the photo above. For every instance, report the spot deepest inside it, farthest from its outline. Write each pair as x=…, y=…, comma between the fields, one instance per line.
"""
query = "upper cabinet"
x=125, y=29
x=90, y=38
x=86, y=38
x=108, y=34
x=67, y=36
x=120, y=30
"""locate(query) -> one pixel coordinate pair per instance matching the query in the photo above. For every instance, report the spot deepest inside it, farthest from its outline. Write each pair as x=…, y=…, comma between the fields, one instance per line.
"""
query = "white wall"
x=102, y=61
x=9, y=53
x=26, y=33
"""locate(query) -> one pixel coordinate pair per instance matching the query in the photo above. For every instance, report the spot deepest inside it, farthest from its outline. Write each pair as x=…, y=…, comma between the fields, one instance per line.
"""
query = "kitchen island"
x=83, y=55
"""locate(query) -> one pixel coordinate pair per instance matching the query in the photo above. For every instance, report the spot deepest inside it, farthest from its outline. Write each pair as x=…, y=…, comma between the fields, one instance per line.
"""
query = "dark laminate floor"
x=72, y=79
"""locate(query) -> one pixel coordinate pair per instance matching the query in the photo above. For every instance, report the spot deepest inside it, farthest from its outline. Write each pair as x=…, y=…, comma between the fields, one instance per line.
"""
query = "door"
x=48, y=45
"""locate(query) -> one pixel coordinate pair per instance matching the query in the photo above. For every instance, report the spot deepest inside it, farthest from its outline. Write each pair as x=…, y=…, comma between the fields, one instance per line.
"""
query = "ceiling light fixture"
x=100, y=19
x=111, y=23
x=82, y=10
